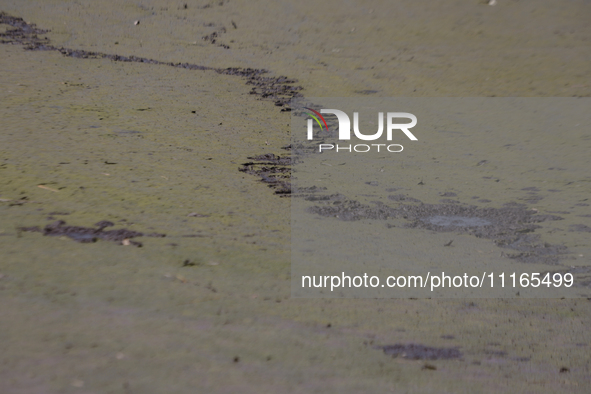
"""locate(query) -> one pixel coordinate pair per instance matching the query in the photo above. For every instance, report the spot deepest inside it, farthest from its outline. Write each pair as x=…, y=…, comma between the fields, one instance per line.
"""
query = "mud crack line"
x=280, y=89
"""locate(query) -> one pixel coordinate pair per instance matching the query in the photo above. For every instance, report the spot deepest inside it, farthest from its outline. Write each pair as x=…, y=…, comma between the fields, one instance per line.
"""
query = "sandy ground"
x=108, y=318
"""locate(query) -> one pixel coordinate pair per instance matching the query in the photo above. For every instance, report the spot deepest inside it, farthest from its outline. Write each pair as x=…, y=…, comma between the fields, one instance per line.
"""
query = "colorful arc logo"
x=316, y=119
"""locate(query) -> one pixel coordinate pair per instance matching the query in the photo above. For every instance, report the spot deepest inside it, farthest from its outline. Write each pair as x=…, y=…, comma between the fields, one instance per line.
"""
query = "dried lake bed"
x=157, y=149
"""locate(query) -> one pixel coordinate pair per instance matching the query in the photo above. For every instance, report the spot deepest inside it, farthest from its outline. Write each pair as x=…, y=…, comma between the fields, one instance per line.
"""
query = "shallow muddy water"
x=158, y=149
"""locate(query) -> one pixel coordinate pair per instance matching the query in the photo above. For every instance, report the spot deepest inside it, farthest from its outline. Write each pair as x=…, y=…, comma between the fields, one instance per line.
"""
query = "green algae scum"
x=146, y=163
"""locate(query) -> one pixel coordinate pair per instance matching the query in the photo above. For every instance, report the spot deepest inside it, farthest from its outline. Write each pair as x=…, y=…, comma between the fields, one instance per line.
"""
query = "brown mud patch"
x=90, y=234
x=273, y=170
x=213, y=38
x=422, y=352
x=510, y=227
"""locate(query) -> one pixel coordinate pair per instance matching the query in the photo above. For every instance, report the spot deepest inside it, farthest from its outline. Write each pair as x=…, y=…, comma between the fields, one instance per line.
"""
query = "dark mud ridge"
x=279, y=89
x=510, y=227
x=90, y=234
x=421, y=352
x=273, y=170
